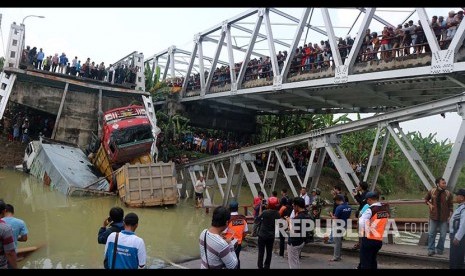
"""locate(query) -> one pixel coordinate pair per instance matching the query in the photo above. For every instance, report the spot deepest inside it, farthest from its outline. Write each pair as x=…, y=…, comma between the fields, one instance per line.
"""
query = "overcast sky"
x=108, y=34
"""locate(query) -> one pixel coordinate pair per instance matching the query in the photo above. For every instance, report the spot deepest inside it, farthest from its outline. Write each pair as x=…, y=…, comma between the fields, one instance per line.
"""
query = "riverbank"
x=11, y=152
x=317, y=256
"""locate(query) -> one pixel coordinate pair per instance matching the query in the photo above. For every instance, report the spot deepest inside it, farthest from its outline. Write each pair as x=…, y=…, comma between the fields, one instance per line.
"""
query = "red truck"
x=127, y=134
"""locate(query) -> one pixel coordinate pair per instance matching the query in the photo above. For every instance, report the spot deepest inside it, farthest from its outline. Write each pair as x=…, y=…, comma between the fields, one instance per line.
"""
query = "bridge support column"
x=412, y=155
x=60, y=109
x=457, y=156
x=232, y=167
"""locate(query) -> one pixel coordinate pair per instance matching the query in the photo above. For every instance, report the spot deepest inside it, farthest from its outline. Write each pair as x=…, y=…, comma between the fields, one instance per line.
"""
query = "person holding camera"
x=114, y=223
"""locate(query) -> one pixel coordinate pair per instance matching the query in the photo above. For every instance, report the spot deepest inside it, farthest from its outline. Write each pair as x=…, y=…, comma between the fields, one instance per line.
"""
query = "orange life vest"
x=236, y=228
x=377, y=223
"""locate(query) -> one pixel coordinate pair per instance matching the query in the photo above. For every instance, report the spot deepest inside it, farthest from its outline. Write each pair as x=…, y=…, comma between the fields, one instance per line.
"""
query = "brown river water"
x=65, y=228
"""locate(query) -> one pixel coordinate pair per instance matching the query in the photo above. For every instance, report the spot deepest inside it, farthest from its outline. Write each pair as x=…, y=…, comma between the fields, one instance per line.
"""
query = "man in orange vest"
x=237, y=229
x=372, y=224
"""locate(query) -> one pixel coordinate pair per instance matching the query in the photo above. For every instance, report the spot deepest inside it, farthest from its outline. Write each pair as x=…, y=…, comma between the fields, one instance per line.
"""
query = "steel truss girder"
x=219, y=180
x=274, y=174
x=259, y=34
x=228, y=191
x=350, y=61
x=376, y=160
x=457, y=156
x=379, y=19
x=318, y=167
x=294, y=44
x=252, y=177
x=292, y=18
x=412, y=155
x=215, y=60
x=399, y=115
x=343, y=166
x=288, y=172
x=331, y=37
x=7, y=81
x=271, y=48
x=248, y=52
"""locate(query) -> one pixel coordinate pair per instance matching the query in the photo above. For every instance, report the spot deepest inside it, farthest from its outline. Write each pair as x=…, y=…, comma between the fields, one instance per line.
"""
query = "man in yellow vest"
x=372, y=224
x=237, y=229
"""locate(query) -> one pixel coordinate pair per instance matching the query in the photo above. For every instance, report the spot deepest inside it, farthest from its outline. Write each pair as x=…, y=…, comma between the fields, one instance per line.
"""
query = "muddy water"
x=65, y=228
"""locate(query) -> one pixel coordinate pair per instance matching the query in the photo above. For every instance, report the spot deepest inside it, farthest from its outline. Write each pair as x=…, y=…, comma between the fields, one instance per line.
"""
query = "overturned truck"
x=123, y=155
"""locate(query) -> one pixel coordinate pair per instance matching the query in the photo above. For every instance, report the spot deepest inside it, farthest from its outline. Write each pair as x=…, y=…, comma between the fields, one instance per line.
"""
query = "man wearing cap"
x=457, y=231
x=266, y=234
x=371, y=226
x=7, y=243
x=439, y=201
x=130, y=249
x=237, y=229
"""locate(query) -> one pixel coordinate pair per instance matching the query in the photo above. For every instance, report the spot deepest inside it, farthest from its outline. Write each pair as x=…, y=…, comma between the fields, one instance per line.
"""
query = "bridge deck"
x=78, y=84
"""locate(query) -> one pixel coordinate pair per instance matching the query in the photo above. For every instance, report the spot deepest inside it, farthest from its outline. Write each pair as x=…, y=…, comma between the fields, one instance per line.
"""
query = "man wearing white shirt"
x=303, y=194
x=199, y=188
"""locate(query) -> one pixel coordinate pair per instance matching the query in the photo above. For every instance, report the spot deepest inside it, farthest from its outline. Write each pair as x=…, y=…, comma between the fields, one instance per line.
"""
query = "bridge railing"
x=280, y=71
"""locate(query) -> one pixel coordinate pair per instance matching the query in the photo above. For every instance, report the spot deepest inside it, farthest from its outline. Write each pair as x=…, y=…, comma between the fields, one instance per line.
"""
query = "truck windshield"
x=131, y=135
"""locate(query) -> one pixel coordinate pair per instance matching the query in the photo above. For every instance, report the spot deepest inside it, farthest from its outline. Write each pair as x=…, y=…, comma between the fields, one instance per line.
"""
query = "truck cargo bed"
x=143, y=185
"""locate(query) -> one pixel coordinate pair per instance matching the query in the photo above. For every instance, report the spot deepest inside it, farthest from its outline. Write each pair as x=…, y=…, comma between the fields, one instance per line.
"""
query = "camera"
x=264, y=201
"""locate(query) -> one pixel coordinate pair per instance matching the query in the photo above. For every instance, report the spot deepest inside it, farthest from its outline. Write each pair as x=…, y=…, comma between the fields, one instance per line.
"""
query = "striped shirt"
x=220, y=253
x=7, y=242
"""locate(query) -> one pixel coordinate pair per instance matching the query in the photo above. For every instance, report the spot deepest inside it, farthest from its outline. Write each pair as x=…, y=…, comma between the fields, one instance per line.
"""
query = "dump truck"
x=123, y=155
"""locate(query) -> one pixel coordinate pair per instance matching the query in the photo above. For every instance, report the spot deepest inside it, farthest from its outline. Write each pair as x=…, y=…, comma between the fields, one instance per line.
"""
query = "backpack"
x=309, y=234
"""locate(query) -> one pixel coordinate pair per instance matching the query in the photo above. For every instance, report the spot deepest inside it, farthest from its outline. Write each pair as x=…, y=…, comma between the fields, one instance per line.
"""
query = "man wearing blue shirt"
x=125, y=250
x=341, y=214
x=18, y=225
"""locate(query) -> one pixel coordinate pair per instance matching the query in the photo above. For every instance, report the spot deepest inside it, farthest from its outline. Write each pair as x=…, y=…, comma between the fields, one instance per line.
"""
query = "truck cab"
x=127, y=134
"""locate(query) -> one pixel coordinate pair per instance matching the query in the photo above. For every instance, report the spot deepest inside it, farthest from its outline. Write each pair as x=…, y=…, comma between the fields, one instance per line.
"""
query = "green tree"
x=2, y=61
x=172, y=125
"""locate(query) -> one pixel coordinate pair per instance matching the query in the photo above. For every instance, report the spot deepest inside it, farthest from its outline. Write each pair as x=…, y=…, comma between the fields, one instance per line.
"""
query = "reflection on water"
x=65, y=228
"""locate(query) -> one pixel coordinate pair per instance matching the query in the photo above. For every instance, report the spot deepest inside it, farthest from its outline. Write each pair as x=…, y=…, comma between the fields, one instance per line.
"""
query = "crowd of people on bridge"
x=408, y=39
x=123, y=73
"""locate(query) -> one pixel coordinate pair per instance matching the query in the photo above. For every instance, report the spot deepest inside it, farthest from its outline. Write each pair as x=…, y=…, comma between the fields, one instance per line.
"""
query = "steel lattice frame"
x=347, y=90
